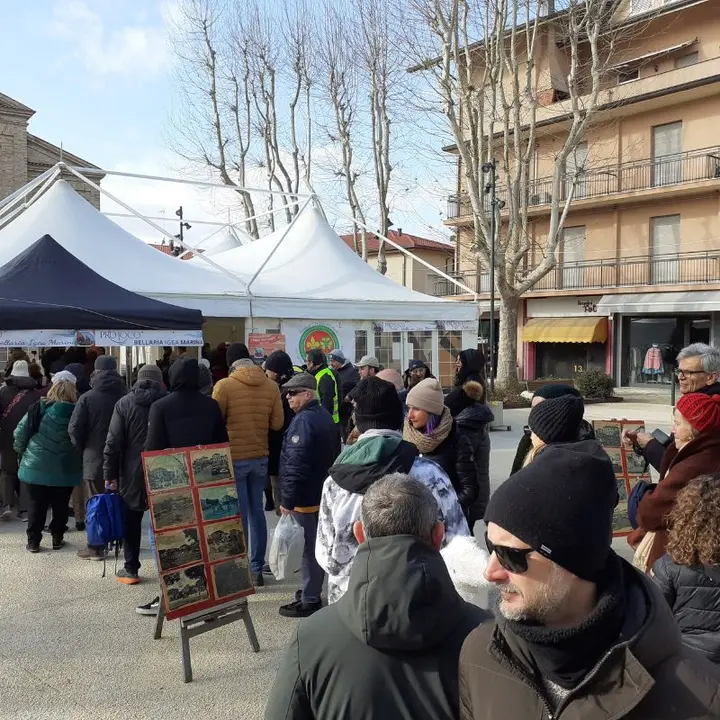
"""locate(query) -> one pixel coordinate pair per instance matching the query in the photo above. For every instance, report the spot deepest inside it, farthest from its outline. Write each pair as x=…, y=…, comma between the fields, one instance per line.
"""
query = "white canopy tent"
x=119, y=256
x=227, y=238
x=307, y=271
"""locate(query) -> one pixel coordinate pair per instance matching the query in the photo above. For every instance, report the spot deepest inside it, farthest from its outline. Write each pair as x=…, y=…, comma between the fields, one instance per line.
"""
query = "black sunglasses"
x=293, y=393
x=514, y=560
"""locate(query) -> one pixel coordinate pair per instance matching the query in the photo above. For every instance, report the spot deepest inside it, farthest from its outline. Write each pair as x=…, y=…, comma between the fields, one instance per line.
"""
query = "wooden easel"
x=205, y=621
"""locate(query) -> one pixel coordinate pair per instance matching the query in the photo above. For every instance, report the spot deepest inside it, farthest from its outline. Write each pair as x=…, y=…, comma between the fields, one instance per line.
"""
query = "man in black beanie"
x=579, y=633
x=550, y=391
x=379, y=451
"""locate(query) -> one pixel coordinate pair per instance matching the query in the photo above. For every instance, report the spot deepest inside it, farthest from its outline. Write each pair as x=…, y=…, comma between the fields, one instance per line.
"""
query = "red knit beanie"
x=701, y=411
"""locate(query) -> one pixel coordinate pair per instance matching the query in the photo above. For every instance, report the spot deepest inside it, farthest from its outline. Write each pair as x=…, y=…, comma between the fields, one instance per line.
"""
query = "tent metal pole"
x=435, y=270
x=279, y=242
x=199, y=183
x=21, y=193
x=155, y=226
x=21, y=208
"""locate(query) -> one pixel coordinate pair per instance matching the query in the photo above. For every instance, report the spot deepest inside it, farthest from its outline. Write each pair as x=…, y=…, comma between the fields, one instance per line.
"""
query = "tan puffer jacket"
x=251, y=405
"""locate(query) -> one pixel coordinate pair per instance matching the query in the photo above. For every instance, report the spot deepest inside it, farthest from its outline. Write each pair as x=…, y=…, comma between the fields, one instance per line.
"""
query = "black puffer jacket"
x=694, y=597
x=186, y=417
x=474, y=423
x=9, y=419
x=388, y=648
x=126, y=441
x=91, y=417
x=455, y=456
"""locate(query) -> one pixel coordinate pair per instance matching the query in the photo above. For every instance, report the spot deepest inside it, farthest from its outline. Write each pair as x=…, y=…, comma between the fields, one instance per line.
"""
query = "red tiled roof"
x=166, y=250
x=409, y=242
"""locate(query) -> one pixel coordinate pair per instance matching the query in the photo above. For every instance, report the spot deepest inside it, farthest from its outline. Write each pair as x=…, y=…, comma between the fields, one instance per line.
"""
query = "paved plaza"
x=72, y=647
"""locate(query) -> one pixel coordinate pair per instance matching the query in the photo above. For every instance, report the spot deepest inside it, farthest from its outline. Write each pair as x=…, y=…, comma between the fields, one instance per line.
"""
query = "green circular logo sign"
x=318, y=337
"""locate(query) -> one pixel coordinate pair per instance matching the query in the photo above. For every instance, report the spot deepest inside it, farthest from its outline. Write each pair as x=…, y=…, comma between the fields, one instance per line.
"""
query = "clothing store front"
x=651, y=329
x=651, y=345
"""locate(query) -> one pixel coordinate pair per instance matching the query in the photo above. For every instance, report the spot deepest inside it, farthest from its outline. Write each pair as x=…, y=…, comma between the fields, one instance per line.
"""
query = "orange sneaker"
x=126, y=577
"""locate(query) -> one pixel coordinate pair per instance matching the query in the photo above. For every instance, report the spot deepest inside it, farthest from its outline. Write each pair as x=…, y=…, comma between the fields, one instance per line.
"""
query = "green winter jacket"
x=48, y=457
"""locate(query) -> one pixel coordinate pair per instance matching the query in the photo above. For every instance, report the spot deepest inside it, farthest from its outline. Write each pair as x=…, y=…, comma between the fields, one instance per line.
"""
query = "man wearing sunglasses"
x=579, y=633
x=698, y=371
x=305, y=459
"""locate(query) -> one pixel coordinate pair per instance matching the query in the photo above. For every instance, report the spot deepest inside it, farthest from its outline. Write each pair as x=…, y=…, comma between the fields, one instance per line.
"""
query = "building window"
x=361, y=347
x=628, y=76
x=388, y=349
x=576, y=170
x=573, y=257
x=664, y=249
x=686, y=60
x=420, y=346
x=449, y=347
x=666, y=152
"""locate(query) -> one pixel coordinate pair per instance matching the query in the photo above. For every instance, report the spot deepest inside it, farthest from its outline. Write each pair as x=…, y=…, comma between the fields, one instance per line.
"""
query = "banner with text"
x=261, y=345
x=101, y=338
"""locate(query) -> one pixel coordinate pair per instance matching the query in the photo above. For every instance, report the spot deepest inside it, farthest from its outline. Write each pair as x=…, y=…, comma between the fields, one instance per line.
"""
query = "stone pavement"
x=72, y=647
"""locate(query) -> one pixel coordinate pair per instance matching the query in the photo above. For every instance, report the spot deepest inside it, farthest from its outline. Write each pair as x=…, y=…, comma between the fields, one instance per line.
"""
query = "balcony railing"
x=691, y=268
x=639, y=175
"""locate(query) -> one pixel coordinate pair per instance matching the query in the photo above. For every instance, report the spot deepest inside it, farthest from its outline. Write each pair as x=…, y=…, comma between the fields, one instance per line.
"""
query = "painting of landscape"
x=218, y=503
x=224, y=539
x=185, y=587
x=177, y=548
x=607, y=432
x=211, y=465
x=165, y=472
x=231, y=577
x=173, y=509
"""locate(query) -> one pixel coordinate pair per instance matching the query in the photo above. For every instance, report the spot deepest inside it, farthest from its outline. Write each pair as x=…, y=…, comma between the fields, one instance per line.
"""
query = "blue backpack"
x=105, y=521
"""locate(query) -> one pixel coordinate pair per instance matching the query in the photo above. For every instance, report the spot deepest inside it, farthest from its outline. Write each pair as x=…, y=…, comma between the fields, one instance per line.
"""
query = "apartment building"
x=638, y=266
x=403, y=269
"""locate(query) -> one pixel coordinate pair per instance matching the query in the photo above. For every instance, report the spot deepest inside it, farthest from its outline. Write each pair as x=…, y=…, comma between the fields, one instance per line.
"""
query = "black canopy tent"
x=47, y=288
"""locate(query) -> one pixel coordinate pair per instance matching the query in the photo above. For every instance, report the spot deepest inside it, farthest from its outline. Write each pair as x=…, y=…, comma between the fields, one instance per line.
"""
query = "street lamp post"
x=180, y=236
x=495, y=205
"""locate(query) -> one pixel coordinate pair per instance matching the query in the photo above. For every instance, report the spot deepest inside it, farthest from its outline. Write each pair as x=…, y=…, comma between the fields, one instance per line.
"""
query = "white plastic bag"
x=288, y=535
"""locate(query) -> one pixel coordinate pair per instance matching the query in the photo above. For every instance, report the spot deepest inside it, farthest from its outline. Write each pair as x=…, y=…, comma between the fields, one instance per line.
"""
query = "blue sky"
x=98, y=75
x=95, y=72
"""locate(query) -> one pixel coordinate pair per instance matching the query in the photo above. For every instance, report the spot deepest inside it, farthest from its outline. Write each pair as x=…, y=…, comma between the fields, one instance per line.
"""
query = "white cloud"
x=141, y=50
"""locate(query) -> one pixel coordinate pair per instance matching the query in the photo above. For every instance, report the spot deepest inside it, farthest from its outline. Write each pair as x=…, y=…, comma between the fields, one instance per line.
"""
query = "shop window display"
x=652, y=348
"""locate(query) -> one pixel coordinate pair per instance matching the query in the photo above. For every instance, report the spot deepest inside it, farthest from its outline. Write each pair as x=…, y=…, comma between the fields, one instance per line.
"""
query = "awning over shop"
x=566, y=330
x=660, y=302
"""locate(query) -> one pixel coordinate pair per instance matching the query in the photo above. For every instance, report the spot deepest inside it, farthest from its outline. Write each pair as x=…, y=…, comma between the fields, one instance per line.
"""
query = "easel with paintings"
x=205, y=621
x=200, y=546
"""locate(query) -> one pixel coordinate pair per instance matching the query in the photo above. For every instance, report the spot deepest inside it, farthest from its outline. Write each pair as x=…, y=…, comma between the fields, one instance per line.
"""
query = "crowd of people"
x=386, y=476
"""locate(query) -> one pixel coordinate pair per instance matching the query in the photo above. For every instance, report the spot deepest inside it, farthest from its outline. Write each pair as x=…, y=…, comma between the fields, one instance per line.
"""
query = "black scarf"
x=566, y=655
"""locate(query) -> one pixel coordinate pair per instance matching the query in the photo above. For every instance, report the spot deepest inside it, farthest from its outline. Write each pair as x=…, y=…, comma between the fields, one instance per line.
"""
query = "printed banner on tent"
x=302, y=336
x=101, y=338
x=415, y=326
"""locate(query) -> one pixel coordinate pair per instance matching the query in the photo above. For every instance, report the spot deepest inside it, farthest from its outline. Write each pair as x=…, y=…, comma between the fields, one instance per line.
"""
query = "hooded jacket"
x=654, y=451
x=679, y=467
x=473, y=421
x=472, y=367
x=388, y=649
x=645, y=675
x=186, y=417
x=376, y=453
x=206, y=380
x=693, y=594
x=251, y=405
x=91, y=419
x=12, y=411
x=48, y=457
x=126, y=440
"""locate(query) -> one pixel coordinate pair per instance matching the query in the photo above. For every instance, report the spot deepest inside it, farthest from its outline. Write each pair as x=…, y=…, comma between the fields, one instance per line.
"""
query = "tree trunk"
x=508, y=344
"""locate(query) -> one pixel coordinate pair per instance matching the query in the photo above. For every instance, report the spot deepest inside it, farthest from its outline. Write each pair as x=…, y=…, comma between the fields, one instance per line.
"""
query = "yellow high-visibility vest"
x=336, y=405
